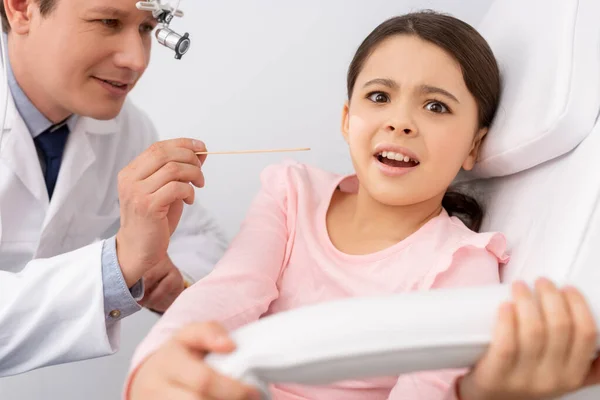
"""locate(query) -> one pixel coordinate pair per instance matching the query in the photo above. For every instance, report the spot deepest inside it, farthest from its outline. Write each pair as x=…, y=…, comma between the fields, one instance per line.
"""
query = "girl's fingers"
x=559, y=328
x=531, y=329
x=593, y=377
x=504, y=349
x=496, y=366
x=584, y=341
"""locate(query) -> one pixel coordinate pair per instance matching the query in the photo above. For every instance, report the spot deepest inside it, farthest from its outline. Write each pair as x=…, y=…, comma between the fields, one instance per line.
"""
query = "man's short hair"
x=46, y=7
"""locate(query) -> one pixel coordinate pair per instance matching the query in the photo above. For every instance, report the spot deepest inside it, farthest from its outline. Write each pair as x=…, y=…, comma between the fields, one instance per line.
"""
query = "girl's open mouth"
x=396, y=160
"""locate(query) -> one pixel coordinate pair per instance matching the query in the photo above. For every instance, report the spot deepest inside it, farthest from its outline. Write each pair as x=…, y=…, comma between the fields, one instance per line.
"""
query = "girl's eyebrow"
x=426, y=89
x=390, y=83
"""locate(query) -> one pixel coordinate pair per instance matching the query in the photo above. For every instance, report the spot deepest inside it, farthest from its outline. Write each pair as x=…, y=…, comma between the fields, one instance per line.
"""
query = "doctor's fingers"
x=161, y=296
x=150, y=284
x=161, y=153
x=153, y=276
x=173, y=171
x=170, y=193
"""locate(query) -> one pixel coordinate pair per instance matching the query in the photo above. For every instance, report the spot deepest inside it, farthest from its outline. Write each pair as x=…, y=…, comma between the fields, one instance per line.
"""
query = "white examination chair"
x=539, y=176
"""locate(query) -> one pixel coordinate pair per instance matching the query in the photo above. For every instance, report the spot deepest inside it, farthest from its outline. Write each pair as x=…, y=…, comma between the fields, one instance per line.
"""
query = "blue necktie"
x=51, y=143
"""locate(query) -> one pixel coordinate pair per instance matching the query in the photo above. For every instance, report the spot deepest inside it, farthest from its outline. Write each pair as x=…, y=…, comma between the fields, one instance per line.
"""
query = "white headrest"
x=549, y=57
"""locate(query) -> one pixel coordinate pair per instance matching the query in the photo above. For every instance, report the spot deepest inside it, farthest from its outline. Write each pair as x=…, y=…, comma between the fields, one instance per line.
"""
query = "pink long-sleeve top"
x=282, y=259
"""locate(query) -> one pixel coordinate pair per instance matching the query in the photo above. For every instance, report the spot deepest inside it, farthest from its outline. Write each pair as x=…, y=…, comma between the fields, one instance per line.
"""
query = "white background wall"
x=260, y=74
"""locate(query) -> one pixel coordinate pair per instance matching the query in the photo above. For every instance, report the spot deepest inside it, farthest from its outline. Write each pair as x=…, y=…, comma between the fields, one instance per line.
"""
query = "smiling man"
x=88, y=198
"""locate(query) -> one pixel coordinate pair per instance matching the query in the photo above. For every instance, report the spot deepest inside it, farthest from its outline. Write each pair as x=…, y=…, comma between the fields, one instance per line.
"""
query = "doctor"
x=88, y=200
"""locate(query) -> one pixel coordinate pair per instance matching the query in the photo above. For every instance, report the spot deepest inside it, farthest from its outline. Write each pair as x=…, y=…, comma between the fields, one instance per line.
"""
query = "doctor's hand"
x=177, y=370
x=152, y=190
x=163, y=284
x=544, y=347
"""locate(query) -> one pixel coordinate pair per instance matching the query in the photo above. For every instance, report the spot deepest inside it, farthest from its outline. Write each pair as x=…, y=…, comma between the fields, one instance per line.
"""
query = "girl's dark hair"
x=480, y=72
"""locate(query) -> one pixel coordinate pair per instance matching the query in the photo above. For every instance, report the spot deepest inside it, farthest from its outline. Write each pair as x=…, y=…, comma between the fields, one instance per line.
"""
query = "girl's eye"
x=437, y=107
x=378, y=97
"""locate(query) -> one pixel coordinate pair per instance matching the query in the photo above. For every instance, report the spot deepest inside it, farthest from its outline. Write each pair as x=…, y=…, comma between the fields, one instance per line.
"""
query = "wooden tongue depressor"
x=252, y=151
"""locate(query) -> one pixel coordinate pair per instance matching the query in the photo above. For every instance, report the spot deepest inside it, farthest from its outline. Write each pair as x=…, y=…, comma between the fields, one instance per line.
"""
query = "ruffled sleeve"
x=474, y=259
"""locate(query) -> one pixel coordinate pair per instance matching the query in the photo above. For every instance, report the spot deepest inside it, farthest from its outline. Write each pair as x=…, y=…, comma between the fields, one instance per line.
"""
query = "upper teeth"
x=396, y=156
x=115, y=83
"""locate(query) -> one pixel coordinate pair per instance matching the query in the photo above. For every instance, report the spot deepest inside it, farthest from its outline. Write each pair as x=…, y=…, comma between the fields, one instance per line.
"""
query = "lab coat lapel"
x=18, y=153
x=80, y=155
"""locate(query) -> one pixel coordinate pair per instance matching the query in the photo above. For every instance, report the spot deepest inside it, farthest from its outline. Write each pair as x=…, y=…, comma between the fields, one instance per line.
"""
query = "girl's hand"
x=543, y=347
x=177, y=370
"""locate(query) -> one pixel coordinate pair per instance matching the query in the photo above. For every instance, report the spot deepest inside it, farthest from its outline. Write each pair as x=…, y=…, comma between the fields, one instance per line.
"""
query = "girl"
x=422, y=91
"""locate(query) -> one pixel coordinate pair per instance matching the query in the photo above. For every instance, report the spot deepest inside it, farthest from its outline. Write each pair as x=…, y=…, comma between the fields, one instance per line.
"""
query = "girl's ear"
x=346, y=120
x=471, y=159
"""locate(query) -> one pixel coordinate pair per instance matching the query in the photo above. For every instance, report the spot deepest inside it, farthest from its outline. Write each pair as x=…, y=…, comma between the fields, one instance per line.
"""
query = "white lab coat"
x=51, y=293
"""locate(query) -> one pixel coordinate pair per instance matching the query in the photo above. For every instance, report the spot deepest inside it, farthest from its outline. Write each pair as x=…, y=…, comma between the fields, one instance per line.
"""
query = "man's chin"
x=102, y=111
